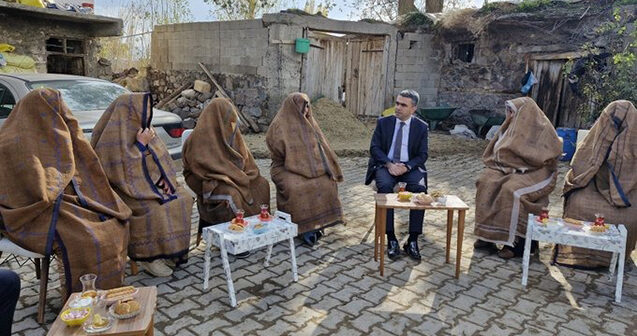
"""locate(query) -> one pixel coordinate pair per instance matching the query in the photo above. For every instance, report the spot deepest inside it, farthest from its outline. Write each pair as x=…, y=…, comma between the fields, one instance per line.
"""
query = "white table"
x=613, y=240
x=279, y=229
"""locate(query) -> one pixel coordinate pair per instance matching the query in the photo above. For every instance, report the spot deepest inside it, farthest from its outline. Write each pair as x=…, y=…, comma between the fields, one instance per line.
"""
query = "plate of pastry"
x=260, y=228
x=597, y=229
x=113, y=295
x=575, y=224
x=125, y=309
x=236, y=227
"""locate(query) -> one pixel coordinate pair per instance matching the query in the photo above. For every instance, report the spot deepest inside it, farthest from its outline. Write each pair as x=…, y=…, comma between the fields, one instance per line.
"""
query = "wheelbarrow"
x=434, y=115
x=485, y=118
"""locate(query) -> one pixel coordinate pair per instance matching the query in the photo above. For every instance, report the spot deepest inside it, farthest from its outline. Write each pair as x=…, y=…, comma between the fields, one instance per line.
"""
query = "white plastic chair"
x=41, y=268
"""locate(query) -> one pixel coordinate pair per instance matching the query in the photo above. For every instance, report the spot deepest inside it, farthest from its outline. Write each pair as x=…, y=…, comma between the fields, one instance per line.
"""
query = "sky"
x=344, y=10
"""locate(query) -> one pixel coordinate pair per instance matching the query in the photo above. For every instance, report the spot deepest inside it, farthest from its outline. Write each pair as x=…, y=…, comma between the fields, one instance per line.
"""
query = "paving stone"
x=355, y=306
x=242, y=328
x=311, y=328
x=210, y=325
x=279, y=328
x=176, y=326
x=341, y=292
x=175, y=310
x=366, y=320
x=303, y=315
x=464, y=327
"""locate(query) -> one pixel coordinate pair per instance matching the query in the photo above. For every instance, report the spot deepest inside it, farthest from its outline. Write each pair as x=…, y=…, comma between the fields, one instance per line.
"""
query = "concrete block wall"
x=418, y=67
x=282, y=65
x=235, y=47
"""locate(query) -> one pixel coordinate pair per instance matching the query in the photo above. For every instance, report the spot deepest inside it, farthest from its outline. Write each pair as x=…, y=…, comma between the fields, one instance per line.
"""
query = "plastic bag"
x=34, y=3
x=20, y=61
x=4, y=47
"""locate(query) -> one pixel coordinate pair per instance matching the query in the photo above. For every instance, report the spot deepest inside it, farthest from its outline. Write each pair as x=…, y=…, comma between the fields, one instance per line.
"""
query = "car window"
x=7, y=102
x=84, y=95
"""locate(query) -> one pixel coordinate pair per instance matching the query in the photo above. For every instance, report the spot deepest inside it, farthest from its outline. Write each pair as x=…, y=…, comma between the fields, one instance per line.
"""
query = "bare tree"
x=434, y=6
x=241, y=9
x=139, y=18
x=406, y=6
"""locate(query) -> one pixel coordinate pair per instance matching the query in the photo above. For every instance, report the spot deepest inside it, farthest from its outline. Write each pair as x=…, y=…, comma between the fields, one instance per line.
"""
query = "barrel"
x=569, y=137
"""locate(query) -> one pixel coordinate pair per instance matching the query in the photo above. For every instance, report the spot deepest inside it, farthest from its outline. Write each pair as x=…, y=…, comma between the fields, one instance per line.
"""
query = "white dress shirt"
x=404, y=152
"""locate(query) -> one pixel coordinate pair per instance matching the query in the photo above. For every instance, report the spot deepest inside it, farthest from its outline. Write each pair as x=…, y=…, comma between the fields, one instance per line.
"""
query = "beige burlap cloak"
x=304, y=168
x=220, y=169
x=160, y=225
x=54, y=195
x=603, y=179
x=520, y=173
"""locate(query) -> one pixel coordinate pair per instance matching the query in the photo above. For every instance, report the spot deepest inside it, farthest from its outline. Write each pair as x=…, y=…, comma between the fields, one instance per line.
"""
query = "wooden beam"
x=173, y=96
x=559, y=56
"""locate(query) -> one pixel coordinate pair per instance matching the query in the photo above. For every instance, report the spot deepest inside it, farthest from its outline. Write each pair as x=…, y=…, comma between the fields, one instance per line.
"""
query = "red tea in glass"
x=265, y=214
x=599, y=219
x=239, y=216
x=401, y=186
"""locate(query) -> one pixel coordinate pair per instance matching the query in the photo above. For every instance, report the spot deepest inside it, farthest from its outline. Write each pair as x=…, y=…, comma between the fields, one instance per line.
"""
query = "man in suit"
x=398, y=154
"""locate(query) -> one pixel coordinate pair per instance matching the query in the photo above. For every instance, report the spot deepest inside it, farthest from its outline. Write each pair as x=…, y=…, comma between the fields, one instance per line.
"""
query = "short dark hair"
x=411, y=94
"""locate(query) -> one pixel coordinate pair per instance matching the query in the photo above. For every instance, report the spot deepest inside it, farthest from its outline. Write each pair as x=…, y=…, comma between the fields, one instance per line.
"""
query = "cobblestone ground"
x=340, y=292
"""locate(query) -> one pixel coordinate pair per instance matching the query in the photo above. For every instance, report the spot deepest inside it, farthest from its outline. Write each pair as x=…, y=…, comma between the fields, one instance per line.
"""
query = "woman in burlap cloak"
x=54, y=195
x=220, y=169
x=521, y=172
x=142, y=173
x=603, y=179
x=304, y=168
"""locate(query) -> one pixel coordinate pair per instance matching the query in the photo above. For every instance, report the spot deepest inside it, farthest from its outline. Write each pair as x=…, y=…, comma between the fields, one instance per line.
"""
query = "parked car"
x=87, y=98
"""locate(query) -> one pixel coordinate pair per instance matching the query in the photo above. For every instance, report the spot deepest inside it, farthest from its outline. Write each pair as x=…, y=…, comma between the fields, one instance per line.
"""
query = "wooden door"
x=548, y=91
x=365, y=76
x=324, y=67
x=554, y=95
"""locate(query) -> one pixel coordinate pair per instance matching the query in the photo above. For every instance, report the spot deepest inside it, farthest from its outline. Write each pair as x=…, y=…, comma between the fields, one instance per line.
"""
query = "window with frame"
x=465, y=52
x=65, y=56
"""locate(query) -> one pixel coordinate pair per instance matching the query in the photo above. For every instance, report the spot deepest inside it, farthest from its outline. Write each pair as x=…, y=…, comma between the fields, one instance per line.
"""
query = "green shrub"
x=532, y=5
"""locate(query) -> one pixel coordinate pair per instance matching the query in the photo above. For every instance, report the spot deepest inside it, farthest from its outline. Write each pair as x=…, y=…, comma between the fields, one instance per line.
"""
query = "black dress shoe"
x=411, y=248
x=393, y=251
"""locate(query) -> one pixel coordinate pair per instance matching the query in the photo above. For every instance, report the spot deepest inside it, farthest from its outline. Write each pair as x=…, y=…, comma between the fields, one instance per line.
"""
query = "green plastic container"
x=302, y=45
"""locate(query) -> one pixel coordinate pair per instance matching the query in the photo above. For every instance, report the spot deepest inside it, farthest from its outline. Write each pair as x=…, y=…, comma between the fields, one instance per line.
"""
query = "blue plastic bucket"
x=569, y=136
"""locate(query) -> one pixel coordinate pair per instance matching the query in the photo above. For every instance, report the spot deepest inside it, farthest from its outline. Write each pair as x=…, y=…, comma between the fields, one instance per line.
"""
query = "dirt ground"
x=350, y=137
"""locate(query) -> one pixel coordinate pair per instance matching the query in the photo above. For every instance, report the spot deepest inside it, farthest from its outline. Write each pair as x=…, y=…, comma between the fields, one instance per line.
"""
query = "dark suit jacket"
x=381, y=142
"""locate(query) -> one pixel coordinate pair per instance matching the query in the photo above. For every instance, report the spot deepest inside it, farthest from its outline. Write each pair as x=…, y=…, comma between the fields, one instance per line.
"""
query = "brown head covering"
x=160, y=225
x=526, y=140
x=608, y=154
x=54, y=194
x=114, y=140
x=602, y=180
x=520, y=173
x=215, y=152
x=296, y=138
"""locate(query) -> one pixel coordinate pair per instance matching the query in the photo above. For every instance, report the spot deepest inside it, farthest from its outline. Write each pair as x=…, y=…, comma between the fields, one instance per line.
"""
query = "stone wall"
x=504, y=48
x=418, y=66
x=29, y=38
x=248, y=92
